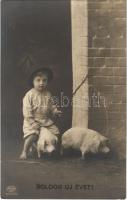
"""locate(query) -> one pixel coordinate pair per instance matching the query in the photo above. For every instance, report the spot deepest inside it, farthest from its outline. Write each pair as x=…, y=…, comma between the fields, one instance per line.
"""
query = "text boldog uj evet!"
x=64, y=187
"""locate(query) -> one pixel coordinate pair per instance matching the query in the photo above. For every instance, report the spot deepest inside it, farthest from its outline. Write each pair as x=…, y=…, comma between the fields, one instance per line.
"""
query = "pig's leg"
x=83, y=156
x=61, y=151
x=83, y=151
x=39, y=153
x=27, y=143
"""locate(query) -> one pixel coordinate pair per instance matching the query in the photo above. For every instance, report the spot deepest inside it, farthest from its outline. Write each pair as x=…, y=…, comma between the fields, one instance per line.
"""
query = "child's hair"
x=48, y=72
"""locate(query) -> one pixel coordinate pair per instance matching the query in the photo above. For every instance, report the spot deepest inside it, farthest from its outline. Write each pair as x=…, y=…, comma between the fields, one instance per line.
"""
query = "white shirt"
x=37, y=108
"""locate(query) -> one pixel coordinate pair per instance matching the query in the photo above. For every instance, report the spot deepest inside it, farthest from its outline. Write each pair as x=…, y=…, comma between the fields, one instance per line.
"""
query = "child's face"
x=40, y=82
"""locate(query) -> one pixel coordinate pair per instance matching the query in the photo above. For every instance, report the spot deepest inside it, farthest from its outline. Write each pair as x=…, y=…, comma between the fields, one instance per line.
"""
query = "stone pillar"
x=79, y=27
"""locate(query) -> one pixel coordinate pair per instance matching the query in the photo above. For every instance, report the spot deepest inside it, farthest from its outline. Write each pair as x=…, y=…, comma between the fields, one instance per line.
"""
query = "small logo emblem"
x=11, y=190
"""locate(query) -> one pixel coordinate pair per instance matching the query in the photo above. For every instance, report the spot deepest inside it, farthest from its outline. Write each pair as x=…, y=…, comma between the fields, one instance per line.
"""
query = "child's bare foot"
x=23, y=156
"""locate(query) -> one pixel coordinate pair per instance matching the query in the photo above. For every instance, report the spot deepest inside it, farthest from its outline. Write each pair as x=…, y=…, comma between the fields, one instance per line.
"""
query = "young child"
x=37, y=107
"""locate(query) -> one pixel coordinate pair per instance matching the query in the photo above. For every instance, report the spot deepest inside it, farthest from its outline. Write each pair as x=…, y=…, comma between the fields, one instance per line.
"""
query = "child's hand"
x=58, y=113
x=35, y=125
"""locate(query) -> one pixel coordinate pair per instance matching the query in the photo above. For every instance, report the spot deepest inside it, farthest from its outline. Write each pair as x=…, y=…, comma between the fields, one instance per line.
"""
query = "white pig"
x=46, y=142
x=85, y=140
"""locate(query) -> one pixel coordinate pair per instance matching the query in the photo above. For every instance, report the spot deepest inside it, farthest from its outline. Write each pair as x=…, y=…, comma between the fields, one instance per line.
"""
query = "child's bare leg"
x=27, y=143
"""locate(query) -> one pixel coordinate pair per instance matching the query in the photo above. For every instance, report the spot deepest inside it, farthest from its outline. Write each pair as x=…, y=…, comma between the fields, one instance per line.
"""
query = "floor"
x=66, y=177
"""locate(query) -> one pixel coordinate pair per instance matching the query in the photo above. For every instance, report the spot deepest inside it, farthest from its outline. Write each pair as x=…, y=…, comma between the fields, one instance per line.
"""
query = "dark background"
x=34, y=34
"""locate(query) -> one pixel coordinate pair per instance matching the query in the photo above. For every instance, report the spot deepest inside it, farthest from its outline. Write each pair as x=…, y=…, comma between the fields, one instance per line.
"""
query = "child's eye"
x=38, y=80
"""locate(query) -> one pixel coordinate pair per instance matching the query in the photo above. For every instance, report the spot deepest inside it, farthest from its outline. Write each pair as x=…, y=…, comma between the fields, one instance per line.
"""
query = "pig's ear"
x=100, y=146
x=44, y=144
x=103, y=142
x=55, y=141
x=106, y=140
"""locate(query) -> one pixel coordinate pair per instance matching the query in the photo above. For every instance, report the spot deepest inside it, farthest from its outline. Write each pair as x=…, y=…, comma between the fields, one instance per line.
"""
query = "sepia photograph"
x=63, y=99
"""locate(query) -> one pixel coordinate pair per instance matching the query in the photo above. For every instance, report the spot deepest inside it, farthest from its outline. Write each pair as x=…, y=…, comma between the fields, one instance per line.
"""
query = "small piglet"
x=47, y=142
x=85, y=140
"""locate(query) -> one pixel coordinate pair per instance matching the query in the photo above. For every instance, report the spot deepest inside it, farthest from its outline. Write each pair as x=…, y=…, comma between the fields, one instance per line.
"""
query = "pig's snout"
x=105, y=149
x=50, y=149
x=104, y=146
